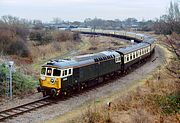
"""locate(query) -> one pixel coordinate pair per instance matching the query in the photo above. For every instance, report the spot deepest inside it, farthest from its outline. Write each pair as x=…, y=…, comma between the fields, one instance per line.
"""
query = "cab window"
x=69, y=71
x=56, y=72
x=64, y=72
x=43, y=71
x=49, y=71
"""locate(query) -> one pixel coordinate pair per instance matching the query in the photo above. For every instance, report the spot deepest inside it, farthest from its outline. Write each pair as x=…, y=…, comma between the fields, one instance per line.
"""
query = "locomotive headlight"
x=43, y=77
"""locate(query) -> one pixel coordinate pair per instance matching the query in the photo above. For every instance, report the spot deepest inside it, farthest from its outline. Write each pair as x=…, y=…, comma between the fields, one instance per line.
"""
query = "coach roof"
x=132, y=48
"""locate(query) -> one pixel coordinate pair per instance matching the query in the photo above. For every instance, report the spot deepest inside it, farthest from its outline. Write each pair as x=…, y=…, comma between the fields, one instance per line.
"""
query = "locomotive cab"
x=51, y=80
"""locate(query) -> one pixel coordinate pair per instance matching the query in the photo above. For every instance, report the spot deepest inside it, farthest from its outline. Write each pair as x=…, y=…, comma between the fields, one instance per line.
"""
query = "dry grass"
x=148, y=103
x=101, y=43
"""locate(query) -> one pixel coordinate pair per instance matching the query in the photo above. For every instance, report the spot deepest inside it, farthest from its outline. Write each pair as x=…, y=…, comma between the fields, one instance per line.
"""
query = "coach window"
x=134, y=55
x=127, y=58
x=131, y=57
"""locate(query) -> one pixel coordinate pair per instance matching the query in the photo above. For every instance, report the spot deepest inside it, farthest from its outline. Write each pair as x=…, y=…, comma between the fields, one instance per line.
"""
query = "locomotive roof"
x=82, y=60
x=132, y=48
x=88, y=56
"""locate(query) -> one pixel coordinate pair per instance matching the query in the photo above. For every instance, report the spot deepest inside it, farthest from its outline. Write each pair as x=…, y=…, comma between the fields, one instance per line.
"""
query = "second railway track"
x=15, y=111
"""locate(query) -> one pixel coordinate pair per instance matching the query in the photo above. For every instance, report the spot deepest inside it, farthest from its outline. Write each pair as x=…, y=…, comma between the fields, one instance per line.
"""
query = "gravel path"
x=67, y=105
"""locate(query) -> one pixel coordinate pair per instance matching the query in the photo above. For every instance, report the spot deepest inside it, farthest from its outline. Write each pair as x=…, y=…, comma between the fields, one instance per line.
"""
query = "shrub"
x=61, y=36
x=18, y=48
x=76, y=36
x=3, y=73
x=22, y=84
x=12, y=44
x=40, y=36
x=5, y=39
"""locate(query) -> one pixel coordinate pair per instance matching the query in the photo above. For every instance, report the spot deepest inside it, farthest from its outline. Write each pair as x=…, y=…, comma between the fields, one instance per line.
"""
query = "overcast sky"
x=80, y=9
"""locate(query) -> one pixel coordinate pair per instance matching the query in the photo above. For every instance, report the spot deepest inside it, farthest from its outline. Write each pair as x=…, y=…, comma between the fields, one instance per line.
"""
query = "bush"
x=22, y=84
x=76, y=37
x=18, y=48
x=62, y=36
x=3, y=73
x=5, y=39
x=12, y=44
x=40, y=36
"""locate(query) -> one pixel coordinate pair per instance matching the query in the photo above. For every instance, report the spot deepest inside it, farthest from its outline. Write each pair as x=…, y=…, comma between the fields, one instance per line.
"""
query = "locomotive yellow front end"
x=50, y=81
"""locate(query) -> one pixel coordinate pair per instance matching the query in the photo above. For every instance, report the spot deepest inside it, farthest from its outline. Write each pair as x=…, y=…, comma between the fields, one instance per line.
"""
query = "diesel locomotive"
x=63, y=76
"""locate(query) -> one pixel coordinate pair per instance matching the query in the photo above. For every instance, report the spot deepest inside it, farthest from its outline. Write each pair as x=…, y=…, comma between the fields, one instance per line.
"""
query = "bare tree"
x=169, y=23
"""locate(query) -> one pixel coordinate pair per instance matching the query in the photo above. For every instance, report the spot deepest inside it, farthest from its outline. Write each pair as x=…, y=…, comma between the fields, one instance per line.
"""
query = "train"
x=64, y=76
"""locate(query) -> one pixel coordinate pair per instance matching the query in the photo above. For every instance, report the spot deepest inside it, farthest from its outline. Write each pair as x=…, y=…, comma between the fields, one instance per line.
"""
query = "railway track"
x=15, y=111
